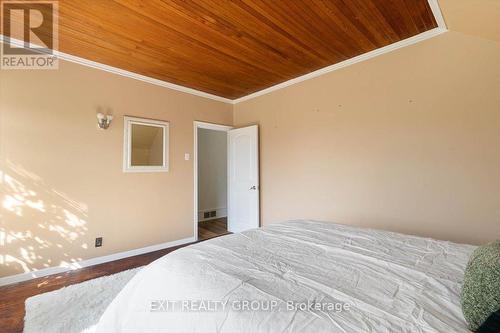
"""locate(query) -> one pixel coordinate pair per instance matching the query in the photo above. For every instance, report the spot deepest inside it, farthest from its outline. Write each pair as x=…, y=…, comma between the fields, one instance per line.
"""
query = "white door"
x=243, y=182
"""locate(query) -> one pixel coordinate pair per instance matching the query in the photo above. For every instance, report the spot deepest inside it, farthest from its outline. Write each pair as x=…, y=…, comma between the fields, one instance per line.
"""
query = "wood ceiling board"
x=234, y=48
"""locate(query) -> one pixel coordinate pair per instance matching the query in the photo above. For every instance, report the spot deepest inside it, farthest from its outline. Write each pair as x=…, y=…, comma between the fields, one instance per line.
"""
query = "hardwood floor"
x=212, y=228
x=12, y=296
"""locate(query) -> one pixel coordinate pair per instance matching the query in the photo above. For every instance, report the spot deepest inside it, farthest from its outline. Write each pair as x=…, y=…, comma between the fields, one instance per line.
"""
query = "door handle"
x=253, y=187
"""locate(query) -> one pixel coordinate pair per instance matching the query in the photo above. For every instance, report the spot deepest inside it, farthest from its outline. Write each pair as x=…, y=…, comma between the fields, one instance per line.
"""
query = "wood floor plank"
x=212, y=228
x=12, y=297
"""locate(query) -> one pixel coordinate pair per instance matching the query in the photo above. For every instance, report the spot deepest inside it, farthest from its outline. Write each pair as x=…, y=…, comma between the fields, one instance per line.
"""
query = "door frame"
x=196, y=126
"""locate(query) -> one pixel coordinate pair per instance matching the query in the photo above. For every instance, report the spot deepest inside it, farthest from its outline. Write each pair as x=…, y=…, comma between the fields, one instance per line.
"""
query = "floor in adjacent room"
x=212, y=228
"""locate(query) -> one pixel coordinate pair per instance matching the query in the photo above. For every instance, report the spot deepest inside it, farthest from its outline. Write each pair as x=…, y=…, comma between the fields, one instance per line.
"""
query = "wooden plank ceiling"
x=234, y=48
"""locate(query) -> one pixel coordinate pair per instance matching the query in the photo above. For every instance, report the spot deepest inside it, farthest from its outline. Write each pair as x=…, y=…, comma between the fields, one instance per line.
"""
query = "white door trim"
x=210, y=126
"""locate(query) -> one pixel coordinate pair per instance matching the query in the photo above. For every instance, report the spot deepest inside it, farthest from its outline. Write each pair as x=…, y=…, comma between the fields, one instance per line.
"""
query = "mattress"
x=298, y=276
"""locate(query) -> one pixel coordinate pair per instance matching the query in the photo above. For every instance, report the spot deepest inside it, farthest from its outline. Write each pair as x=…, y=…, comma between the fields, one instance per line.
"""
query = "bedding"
x=298, y=276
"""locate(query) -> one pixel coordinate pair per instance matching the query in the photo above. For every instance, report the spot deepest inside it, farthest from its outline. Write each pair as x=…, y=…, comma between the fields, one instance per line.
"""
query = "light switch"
x=187, y=156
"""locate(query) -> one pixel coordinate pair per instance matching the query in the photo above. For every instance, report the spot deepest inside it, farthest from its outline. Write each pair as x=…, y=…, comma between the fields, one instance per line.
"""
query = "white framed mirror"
x=145, y=146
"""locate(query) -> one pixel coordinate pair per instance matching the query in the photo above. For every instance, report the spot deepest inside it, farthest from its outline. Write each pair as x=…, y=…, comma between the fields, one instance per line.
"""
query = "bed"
x=298, y=276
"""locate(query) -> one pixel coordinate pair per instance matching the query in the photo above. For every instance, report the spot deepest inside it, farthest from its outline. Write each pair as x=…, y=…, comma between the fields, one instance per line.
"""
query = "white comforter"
x=295, y=275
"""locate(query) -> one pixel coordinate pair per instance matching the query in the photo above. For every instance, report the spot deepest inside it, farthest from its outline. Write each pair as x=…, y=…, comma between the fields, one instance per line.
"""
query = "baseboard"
x=90, y=262
x=219, y=212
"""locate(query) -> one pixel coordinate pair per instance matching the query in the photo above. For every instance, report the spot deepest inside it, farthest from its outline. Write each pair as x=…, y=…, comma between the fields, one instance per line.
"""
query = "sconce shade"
x=103, y=121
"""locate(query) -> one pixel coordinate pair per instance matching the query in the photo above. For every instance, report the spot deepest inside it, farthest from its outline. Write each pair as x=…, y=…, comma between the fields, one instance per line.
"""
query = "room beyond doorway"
x=211, y=194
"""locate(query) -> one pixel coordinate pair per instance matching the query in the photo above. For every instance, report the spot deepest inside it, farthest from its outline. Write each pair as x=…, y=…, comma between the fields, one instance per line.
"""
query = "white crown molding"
x=438, y=14
x=122, y=72
x=325, y=70
x=441, y=28
x=90, y=262
x=434, y=5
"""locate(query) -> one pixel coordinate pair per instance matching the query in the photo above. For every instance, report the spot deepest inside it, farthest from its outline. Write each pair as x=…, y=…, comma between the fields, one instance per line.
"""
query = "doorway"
x=226, y=179
x=210, y=180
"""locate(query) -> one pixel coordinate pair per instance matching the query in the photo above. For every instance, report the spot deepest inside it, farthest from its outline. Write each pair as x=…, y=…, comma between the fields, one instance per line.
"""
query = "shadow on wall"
x=39, y=224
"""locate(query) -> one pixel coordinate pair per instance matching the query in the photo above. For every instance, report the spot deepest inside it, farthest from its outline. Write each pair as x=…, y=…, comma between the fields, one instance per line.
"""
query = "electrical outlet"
x=98, y=242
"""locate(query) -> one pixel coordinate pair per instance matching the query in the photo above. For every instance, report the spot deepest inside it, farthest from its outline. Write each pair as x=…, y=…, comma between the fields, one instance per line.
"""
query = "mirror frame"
x=127, y=144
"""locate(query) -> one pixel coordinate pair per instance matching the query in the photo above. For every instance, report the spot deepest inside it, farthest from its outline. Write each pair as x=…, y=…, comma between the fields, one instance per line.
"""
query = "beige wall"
x=473, y=17
x=212, y=170
x=62, y=183
x=408, y=141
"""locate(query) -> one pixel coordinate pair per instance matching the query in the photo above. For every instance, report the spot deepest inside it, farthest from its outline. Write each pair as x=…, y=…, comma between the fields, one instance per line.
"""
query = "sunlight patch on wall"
x=73, y=220
x=35, y=219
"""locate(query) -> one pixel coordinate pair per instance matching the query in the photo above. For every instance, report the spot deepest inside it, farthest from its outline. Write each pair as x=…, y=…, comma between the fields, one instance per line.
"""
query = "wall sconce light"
x=103, y=121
